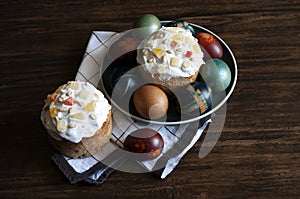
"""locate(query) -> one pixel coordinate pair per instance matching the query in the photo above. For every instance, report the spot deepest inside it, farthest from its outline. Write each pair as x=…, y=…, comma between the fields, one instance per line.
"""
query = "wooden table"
x=258, y=153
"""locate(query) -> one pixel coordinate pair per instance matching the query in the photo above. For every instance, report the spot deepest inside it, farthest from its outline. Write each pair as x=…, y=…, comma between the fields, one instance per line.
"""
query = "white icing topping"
x=170, y=52
x=74, y=111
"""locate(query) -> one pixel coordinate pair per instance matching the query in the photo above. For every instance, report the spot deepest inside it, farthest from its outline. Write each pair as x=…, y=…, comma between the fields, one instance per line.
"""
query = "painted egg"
x=206, y=55
x=216, y=74
x=181, y=24
x=146, y=25
x=150, y=102
x=124, y=48
x=210, y=44
x=195, y=99
x=146, y=143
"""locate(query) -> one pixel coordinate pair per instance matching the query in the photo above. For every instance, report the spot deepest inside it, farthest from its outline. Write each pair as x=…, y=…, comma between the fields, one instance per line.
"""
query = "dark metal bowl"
x=119, y=87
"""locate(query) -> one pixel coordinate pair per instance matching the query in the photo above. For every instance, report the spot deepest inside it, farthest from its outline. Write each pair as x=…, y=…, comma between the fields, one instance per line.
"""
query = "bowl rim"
x=198, y=118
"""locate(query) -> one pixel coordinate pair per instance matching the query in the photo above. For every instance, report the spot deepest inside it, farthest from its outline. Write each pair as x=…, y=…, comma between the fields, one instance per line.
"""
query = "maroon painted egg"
x=210, y=44
x=146, y=143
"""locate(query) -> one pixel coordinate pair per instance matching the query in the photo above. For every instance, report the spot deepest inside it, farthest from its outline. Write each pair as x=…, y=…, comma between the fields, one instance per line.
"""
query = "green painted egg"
x=146, y=25
x=216, y=73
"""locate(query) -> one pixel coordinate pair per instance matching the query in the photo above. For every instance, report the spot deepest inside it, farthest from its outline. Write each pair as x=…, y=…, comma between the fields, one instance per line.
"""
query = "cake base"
x=87, y=146
x=168, y=85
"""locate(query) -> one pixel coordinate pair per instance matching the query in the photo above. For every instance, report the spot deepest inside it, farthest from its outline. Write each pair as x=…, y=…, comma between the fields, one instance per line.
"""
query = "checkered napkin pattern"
x=92, y=169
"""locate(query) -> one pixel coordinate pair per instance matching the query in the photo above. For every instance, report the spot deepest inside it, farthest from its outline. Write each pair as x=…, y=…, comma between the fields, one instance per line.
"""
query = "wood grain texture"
x=258, y=153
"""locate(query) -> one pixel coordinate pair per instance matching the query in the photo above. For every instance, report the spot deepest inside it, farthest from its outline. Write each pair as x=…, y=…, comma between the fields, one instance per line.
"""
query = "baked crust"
x=87, y=146
x=175, y=82
x=170, y=84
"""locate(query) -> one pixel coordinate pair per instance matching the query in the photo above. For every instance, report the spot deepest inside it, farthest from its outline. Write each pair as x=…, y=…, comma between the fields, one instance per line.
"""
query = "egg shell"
x=210, y=44
x=194, y=99
x=146, y=25
x=216, y=73
x=150, y=102
x=181, y=24
x=146, y=143
x=202, y=95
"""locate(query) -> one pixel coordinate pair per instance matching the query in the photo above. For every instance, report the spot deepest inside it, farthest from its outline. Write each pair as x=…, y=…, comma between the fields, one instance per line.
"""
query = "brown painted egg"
x=146, y=143
x=150, y=102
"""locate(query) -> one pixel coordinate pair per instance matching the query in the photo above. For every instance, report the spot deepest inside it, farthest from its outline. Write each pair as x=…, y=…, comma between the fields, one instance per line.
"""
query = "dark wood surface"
x=258, y=153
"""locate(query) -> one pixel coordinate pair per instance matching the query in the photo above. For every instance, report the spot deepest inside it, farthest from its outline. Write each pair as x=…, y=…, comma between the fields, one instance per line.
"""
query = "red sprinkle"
x=69, y=101
x=188, y=54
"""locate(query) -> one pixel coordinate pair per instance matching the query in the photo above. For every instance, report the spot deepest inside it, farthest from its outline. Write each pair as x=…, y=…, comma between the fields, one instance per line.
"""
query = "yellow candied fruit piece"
x=78, y=116
x=61, y=125
x=150, y=45
x=158, y=52
x=90, y=107
x=176, y=37
x=188, y=40
x=59, y=89
x=186, y=64
x=74, y=85
x=83, y=94
x=196, y=48
x=53, y=112
x=174, y=61
x=160, y=69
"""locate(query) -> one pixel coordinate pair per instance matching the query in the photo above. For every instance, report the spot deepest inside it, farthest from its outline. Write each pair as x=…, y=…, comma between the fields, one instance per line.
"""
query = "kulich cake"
x=171, y=56
x=78, y=119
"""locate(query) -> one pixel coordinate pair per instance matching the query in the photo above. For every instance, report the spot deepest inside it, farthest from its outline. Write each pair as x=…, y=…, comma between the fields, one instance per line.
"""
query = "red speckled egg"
x=210, y=44
x=147, y=143
x=150, y=102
